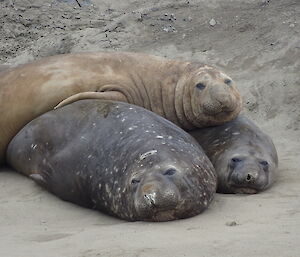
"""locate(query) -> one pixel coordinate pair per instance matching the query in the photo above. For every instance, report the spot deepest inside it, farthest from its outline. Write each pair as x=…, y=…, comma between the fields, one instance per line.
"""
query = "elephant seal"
x=188, y=94
x=244, y=157
x=117, y=158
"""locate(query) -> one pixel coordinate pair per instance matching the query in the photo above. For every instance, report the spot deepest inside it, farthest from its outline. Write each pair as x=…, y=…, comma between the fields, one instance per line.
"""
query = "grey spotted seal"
x=117, y=158
x=188, y=94
x=244, y=157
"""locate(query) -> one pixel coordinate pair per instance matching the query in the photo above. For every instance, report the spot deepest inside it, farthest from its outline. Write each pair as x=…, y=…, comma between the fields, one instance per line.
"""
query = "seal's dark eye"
x=200, y=86
x=264, y=163
x=227, y=81
x=236, y=160
x=135, y=181
x=169, y=172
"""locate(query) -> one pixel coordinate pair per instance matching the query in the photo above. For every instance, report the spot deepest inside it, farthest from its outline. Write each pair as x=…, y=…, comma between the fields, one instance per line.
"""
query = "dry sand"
x=256, y=42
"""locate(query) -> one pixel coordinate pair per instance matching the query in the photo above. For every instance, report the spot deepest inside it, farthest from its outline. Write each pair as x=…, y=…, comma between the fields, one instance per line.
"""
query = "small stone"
x=212, y=22
x=231, y=223
x=169, y=28
x=140, y=17
x=292, y=25
x=189, y=18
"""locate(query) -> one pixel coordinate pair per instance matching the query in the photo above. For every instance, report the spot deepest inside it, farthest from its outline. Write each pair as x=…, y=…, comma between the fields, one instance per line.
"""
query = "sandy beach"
x=256, y=42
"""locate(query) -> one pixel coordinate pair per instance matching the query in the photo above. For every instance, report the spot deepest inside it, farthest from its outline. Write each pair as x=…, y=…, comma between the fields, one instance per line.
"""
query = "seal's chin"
x=245, y=190
x=218, y=117
x=161, y=216
x=151, y=210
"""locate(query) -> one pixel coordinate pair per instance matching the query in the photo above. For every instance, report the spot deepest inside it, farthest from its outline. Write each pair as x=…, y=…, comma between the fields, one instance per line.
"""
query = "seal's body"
x=188, y=94
x=244, y=157
x=117, y=158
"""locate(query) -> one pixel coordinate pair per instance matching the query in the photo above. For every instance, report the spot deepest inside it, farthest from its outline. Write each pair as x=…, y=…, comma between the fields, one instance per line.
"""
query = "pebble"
x=231, y=223
x=212, y=22
x=169, y=28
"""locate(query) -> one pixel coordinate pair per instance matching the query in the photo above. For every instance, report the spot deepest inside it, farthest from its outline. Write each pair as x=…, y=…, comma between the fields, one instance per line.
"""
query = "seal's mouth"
x=245, y=190
x=164, y=216
x=218, y=109
x=219, y=117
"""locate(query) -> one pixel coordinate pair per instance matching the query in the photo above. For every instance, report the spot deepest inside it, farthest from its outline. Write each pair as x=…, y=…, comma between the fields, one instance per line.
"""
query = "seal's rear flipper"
x=108, y=95
x=38, y=178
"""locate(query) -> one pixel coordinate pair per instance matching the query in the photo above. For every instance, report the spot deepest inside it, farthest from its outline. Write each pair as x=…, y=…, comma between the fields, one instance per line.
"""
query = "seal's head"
x=164, y=184
x=246, y=169
x=210, y=97
x=164, y=189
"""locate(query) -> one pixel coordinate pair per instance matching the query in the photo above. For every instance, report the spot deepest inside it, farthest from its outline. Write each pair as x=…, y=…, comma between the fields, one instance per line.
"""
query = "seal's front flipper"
x=108, y=95
x=38, y=178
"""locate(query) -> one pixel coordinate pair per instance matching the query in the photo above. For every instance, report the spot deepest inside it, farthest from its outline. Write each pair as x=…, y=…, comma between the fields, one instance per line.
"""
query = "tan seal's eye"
x=227, y=81
x=200, y=86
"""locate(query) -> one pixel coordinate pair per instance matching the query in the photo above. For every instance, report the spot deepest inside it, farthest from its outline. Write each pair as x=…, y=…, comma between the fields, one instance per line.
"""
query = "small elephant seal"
x=244, y=157
x=188, y=94
x=117, y=158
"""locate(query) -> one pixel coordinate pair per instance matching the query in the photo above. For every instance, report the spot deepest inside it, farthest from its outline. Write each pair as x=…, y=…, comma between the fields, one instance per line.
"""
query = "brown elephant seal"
x=244, y=157
x=117, y=158
x=188, y=94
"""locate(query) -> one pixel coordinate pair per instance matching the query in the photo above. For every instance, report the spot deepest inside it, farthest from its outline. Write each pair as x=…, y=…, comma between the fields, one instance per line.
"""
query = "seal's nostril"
x=150, y=199
x=248, y=177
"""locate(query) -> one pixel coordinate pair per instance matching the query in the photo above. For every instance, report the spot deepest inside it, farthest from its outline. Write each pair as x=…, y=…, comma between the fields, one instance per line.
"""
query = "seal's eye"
x=200, y=86
x=264, y=163
x=169, y=172
x=236, y=160
x=227, y=81
x=135, y=181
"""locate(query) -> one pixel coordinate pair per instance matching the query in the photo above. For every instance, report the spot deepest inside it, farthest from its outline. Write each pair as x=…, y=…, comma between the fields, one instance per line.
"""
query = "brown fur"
x=166, y=87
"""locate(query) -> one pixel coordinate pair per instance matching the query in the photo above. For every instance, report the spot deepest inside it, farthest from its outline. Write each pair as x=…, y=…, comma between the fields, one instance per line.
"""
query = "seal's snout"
x=221, y=98
x=157, y=194
x=247, y=174
x=161, y=197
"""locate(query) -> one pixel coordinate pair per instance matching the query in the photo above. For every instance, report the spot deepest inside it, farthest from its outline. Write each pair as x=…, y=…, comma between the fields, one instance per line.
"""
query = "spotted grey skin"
x=244, y=157
x=117, y=158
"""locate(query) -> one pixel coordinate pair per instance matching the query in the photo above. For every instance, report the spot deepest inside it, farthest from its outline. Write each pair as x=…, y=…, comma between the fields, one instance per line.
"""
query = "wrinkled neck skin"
x=149, y=82
x=184, y=98
x=162, y=90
